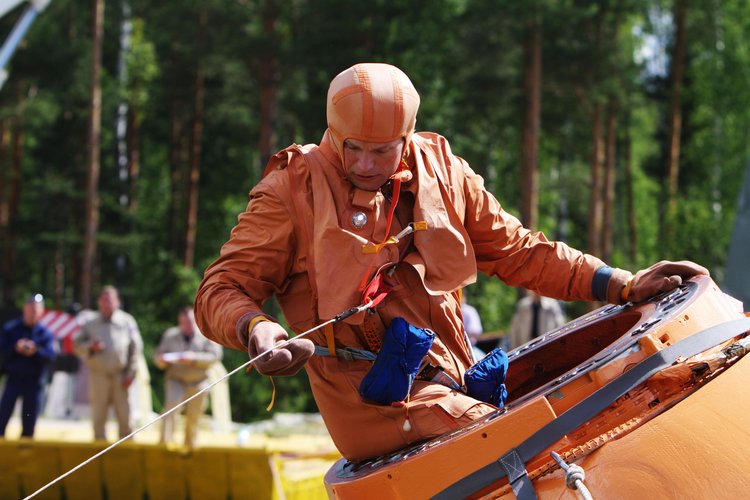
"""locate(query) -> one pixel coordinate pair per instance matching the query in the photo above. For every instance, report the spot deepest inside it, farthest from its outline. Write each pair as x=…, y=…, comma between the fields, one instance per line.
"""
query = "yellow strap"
x=273, y=394
x=371, y=248
x=254, y=322
x=328, y=329
x=250, y=327
x=626, y=290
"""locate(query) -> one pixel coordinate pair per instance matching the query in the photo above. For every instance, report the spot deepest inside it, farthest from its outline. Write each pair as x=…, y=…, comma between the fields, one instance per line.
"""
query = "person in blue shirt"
x=28, y=348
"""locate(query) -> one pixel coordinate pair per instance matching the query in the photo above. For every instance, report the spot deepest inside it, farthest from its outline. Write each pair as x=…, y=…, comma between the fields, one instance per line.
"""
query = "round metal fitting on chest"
x=359, y=219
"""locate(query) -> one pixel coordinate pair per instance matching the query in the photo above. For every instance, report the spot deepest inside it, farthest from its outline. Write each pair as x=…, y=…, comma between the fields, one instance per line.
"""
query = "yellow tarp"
x=133, y=470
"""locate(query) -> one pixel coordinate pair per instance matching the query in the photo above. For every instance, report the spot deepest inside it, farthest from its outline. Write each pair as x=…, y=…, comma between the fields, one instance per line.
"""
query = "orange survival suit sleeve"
x=518, y=256
x=252, y=265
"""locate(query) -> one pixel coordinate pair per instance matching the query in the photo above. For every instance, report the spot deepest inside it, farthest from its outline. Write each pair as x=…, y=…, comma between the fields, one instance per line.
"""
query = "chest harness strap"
x=377, y=289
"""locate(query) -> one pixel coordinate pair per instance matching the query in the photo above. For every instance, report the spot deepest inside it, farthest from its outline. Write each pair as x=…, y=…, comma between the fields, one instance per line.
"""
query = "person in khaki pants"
x=535, y=315
x=187, y=356
x=109, y=344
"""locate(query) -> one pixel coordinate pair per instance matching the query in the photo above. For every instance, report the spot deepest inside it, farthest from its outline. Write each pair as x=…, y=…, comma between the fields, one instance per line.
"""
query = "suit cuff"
x=608, y=284
x=241, y=328
x=600, y=281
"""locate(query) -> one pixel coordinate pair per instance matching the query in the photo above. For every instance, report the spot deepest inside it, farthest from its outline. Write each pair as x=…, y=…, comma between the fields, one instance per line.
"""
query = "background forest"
x=131, y=132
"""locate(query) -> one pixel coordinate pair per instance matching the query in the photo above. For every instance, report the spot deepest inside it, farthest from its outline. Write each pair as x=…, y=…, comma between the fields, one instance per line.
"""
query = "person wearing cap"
x=323, y=221
x=29, y=349
x=109, y=344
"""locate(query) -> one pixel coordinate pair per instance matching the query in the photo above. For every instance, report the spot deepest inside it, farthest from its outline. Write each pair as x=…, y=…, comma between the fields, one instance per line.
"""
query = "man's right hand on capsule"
x=283, y=361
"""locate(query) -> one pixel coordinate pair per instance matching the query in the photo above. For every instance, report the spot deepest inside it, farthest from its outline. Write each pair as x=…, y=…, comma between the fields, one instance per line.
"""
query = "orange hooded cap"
x=371, y=102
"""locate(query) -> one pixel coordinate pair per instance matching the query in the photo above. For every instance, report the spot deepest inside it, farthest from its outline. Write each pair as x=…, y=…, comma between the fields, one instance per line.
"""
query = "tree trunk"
x=92, y=178
x=269, y=81
x=630, y=202
x=59, y=267
x=17, y=158
x=191, y=219
x=675, y=114
x=14, y=201
x=123, y=134
x=134, y=157
x=175, y=176
x=6, y=185
x=609, y=180
x=3, y=180
x=532, y=83
x=595, y=201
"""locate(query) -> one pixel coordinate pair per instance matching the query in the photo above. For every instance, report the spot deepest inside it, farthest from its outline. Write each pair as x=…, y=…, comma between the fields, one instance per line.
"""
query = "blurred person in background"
x=473, y=327
x=109, y=344
x=187, y=356
x=29, y=349
x=535, y=315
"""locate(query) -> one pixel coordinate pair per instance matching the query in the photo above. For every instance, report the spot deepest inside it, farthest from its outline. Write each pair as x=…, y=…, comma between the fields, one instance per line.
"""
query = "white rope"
x=249, y=362
x=574, y=477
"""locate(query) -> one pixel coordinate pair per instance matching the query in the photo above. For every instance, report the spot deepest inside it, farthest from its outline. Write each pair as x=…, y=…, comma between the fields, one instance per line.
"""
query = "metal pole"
x=17, y=34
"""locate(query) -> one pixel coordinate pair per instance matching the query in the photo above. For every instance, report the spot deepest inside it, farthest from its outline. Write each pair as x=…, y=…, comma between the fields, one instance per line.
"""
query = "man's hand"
x=127, y=381
x=662, y=277
x=186, y=358
x=96, y=345
x=160, y=362
x=25, y=347
x=282, y=362
x=31, y=348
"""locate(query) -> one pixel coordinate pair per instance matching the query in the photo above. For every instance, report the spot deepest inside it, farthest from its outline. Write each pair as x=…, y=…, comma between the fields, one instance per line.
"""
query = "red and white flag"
x=63, y=326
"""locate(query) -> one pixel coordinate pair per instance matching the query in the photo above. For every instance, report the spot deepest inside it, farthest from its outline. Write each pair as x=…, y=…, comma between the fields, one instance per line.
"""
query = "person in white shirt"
x=187, y=356
x=473, y=327
x=110, y=344
x=535, y=315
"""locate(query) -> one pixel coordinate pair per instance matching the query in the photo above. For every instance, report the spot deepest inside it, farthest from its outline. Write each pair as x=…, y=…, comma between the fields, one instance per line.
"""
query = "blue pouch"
x=485, y=380
x=400, y=357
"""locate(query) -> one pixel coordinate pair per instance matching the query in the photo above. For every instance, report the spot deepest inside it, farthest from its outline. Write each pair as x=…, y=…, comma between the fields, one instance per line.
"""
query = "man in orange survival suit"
x=311, y=235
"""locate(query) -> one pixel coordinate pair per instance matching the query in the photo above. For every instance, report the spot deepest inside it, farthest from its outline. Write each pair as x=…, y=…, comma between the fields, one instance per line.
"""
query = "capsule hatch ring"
x=612, y=330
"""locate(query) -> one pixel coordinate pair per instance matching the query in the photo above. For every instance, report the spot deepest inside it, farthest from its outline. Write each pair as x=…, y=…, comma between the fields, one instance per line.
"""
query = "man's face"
x=186, y=322
x=369, y=165
x=109, y=302
x=32, y=313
